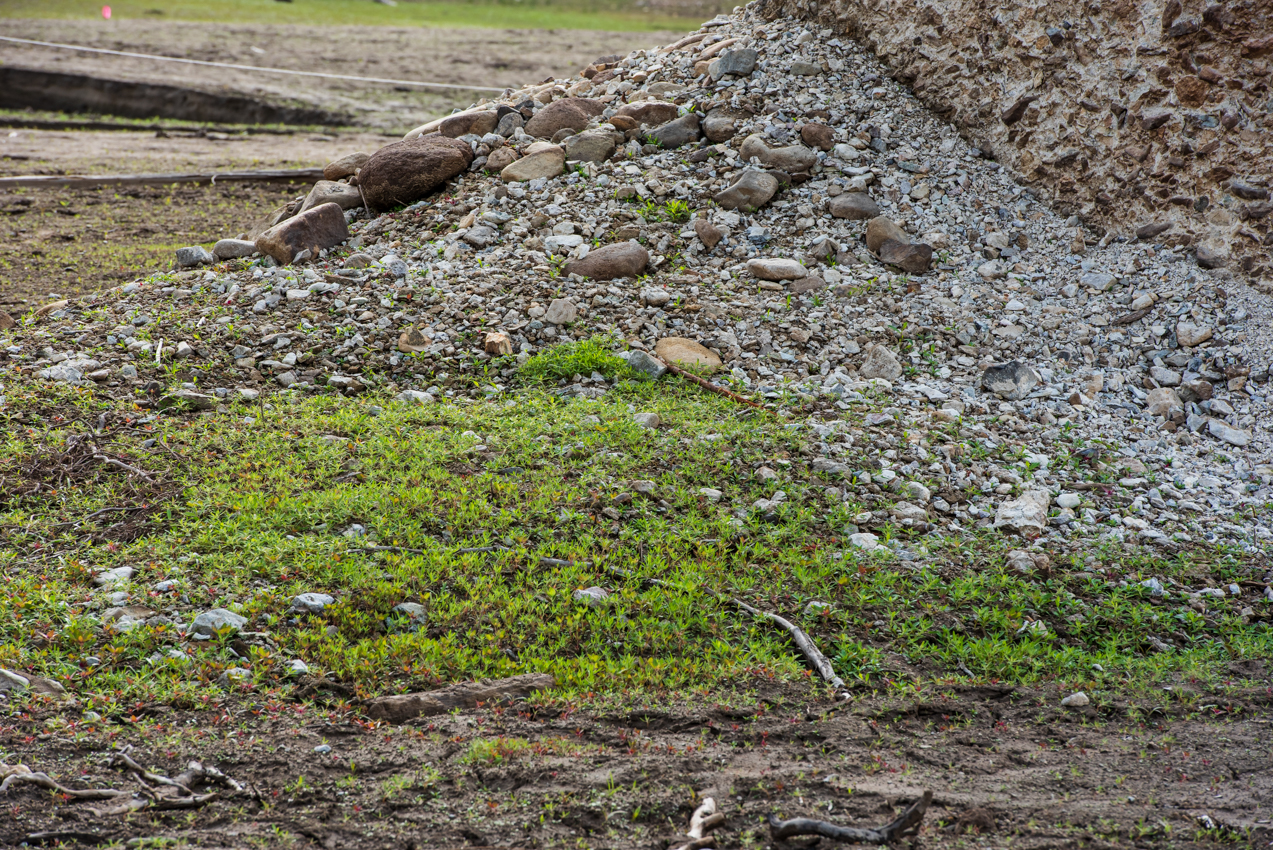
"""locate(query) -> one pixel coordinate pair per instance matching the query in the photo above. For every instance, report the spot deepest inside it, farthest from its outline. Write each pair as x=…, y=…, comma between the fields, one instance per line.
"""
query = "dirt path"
x=481, y=57
x=1011, y=767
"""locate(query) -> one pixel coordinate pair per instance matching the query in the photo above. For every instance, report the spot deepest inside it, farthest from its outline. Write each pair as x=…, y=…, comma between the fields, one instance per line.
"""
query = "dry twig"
x=907, y=824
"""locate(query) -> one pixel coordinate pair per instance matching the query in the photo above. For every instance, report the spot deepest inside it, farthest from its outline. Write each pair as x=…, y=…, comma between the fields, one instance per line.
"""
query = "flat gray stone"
x=209, y=623
x=738, y=62
x=233, y=249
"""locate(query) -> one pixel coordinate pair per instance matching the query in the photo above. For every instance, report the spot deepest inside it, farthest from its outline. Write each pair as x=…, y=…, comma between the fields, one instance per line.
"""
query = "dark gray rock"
x=194, y=255
x=683, y=131
x=739, y=62
x=1013, y=380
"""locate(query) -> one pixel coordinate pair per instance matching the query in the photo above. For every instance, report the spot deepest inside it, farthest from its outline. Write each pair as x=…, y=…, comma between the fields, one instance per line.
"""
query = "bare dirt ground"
x=480, y=57
x=72, y=241
x=1007, y=769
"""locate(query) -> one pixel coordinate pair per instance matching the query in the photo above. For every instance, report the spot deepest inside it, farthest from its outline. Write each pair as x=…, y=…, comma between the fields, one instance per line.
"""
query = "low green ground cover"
x=254, y=505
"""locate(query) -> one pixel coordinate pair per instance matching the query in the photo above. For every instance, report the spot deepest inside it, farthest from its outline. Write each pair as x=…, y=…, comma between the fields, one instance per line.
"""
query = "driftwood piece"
x=907, y=824
x=807, y=647
x=81, y=181
x=21, y=774
x=703, y=821
x=402, y=707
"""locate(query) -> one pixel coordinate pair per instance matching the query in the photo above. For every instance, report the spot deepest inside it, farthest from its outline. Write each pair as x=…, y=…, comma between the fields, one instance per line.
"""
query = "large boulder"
x=880, y=229
x=1013, y=380
x=1026, y=515
x=322, y=227
x=404, y=172
x=721, y=124
x=590, y=146
x=738, y=62
x=792, y=159
x=573, y=113
x=751, y=191
x=776, y=268
x=880, y=363
x=469, y=123
x=652, y=113
x=452, y=122
x=914, y=258
x=619, y=259
x=818, y=136
x=683, y=352
x=501, y=158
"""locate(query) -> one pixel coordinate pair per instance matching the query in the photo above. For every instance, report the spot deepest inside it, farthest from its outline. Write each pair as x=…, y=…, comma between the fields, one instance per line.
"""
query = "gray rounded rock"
x=233, y=249
x=312, y=603
x=855, y=206
x=194, y=255
x=210, y=623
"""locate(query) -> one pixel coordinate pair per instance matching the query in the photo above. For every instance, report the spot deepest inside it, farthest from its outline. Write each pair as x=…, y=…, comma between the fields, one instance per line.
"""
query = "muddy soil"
x=479, y=57
x=1011, y=767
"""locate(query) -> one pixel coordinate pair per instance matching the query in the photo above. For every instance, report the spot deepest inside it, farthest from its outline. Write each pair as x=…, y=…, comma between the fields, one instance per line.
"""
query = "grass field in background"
x=530, y=14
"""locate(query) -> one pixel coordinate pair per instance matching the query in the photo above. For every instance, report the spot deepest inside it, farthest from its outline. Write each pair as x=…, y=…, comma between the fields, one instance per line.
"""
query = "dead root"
x=906, y=825
x=157, y=792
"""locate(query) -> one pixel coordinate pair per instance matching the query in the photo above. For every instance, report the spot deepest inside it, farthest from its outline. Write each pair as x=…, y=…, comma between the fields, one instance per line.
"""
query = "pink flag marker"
x=106, y=12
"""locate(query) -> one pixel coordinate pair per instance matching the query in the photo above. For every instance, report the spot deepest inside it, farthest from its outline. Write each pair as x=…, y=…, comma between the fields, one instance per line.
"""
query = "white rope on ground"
x=249, y=67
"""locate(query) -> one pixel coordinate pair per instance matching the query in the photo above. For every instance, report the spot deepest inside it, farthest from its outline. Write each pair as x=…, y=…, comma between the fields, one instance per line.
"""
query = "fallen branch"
x=816, y=659
x=401, y=707
x=107, y=459
x=708, y=385
x=807, y=647
x=87, y=180
x=907, y=824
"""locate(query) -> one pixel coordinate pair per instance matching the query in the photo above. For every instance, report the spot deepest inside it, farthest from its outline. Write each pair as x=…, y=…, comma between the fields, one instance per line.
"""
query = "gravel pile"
x=760, y=201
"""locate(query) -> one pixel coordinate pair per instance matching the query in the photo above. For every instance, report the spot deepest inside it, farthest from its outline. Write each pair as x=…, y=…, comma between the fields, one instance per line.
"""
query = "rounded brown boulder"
x=571, y=113
x=620, y=259
x=682, y=351
x=651, y=112
x=404, y=172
